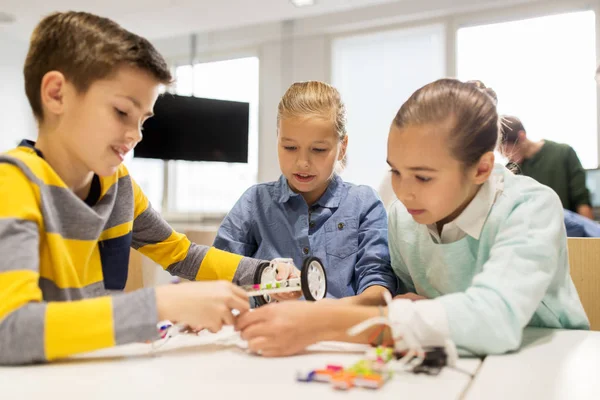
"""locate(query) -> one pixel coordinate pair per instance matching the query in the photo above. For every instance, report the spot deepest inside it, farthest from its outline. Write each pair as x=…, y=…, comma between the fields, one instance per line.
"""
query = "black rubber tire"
x=260, y=300
x=304, y=278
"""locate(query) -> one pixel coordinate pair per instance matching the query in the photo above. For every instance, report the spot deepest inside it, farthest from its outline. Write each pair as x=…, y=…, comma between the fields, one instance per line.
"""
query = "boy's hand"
x=286, y=271
x=201, y=304
x=280, y=329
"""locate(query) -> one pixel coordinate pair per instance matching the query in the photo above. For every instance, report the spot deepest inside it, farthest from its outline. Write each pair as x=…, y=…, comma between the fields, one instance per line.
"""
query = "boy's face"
x=99, y=127
x=426, y=178
x=308, y=150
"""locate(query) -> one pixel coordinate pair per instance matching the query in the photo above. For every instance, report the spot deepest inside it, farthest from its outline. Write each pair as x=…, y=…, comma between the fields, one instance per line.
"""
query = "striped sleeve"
x=154, y=238
x=33, y=330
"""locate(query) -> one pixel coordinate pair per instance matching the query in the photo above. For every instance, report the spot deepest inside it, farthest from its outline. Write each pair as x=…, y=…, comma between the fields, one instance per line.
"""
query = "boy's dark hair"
x=470, y=109
x=85, y=48
x=511, y=126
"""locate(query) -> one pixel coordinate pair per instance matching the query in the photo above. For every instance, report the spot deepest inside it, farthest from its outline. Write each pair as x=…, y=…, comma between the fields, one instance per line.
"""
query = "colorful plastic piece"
x=378, y=365
x=370, y=372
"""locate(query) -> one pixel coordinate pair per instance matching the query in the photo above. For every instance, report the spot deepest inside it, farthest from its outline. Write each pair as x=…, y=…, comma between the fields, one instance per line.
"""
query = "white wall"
x=291, y=51
x=284, y=59
x=16, y=120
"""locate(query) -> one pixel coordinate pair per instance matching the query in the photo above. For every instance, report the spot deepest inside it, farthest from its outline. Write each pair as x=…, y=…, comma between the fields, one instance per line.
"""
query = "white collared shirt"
x=471, y=220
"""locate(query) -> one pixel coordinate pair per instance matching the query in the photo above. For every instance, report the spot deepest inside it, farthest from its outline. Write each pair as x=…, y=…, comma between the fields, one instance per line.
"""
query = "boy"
x=555, y=165
x=69, y=211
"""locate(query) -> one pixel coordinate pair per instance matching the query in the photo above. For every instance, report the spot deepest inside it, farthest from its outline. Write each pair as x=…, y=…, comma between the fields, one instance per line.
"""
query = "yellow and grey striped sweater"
x=60, y=259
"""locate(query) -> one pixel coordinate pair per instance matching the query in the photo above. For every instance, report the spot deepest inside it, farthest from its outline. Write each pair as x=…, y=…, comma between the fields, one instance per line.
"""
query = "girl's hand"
x=280, y=329
x=286, y=271
x=411, y=296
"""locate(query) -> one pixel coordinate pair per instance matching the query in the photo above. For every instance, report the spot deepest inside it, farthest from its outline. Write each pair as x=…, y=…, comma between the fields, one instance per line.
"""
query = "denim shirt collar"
x=329, y=199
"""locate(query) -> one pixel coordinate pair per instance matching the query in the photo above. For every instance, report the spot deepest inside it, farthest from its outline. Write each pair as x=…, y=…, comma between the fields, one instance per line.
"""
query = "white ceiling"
x=164, y=18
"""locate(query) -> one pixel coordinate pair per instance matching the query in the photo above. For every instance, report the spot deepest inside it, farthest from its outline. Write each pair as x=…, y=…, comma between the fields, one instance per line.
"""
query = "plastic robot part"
x=379, y=364
x=406, y=345
x=369, y=373
x=167, y=330
x=312, y=281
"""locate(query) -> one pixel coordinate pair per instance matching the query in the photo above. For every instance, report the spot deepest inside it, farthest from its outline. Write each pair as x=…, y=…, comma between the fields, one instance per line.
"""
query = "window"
x=543, y=72
x=375, y=73
x=207, y=188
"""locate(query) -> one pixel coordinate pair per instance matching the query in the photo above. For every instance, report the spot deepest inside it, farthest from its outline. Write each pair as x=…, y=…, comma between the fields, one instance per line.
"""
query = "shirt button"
x=305, y=250
x=341, y=226
x=311, y=224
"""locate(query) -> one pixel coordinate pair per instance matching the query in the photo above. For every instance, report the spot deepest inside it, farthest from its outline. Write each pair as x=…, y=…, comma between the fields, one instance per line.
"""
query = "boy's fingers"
x=227, y=318
x=238, y=291
x=240, y=304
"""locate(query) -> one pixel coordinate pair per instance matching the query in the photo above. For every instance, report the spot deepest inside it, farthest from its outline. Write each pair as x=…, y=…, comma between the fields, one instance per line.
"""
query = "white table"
x=551, y=364
x=213, y=367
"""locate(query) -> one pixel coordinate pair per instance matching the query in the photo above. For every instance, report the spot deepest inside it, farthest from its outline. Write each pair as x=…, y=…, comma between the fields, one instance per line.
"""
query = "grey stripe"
x=135, y=316
x=66, y=214
x=19, y=243
x=77, y=221
x=51, y=292
x=122, y=212
x=189, y=266
x=22, y=335
x=149, y=228
x=244, y=275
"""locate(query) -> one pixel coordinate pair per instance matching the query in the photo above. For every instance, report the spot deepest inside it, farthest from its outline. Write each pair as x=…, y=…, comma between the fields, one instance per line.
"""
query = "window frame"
x=490, y=15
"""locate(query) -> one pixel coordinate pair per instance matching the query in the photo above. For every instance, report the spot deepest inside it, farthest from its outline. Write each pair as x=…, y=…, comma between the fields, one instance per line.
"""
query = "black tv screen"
x=196, y=129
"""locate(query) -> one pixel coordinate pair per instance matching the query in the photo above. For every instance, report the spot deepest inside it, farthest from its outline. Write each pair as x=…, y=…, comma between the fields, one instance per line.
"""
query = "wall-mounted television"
x=196, y=129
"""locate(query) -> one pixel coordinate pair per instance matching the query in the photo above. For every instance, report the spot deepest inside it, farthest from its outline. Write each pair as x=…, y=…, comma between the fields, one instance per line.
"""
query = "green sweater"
x=557, y=166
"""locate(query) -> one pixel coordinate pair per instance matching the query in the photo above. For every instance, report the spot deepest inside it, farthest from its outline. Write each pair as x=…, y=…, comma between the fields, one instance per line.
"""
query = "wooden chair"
x=135, y=277
x=584, y=258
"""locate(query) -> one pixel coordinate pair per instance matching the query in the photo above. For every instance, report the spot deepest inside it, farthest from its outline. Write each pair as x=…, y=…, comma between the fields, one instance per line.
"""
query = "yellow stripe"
x=168, y=252
x=19, y=198
x=18, y=288
x=43, y=171
x=108, y=181
x=40, y=168
x=140, y=201
x=218, y=265
x=116, y=231
x=70, y=263
x=78, y=326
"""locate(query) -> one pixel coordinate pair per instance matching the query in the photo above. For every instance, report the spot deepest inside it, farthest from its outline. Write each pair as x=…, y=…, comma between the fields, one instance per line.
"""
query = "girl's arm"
x=235, y=234
x=373, y=272
x=287, y=328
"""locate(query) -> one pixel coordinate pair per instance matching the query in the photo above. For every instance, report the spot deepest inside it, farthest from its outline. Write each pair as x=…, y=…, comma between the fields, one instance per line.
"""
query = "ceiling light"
x=303, y=3
x=6, y=18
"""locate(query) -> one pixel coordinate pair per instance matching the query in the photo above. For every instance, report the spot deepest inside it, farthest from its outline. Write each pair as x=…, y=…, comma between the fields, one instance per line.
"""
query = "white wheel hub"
x=316, y=280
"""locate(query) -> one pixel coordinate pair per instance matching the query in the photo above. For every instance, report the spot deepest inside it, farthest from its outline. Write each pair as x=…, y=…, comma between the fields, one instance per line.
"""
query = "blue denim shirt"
x=346, y=228
x=580, y=226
